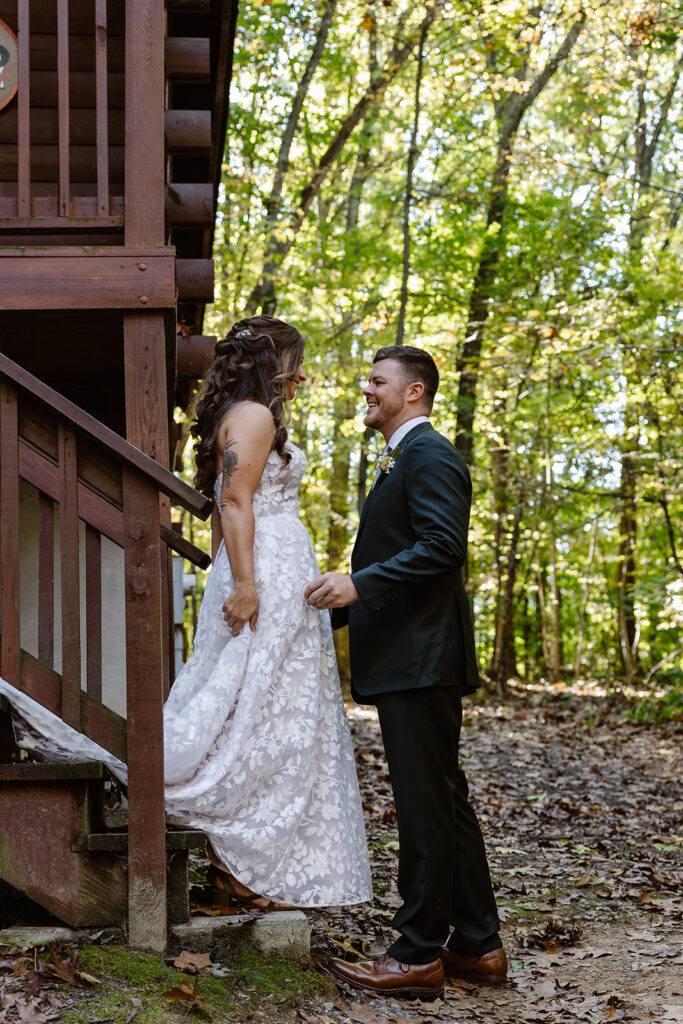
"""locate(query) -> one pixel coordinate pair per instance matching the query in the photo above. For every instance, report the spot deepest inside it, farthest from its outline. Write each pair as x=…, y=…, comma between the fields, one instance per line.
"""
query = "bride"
x=258, y=753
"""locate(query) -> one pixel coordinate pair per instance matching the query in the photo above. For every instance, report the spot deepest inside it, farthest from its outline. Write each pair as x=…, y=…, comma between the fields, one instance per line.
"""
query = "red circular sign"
x=8, y=64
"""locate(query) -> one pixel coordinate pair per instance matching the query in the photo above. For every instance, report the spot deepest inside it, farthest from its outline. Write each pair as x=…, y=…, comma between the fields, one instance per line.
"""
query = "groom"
x=413, y=655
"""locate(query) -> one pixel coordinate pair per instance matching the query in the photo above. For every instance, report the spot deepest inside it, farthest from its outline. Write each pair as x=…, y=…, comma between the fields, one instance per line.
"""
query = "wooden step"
x=178, y=844
x=47, y=812
x=39, y=771
x=117, y=842
x=55, y=847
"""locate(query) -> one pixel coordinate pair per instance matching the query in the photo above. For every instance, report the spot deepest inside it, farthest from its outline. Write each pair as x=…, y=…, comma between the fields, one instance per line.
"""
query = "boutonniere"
x=387, y=462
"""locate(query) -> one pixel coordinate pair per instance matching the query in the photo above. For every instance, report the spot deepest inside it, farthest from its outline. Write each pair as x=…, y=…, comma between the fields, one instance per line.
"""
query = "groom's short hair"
x=417, y=365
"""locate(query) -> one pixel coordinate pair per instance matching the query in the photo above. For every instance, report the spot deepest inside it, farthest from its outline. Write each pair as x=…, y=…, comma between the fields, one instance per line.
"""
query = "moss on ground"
x=137, y=981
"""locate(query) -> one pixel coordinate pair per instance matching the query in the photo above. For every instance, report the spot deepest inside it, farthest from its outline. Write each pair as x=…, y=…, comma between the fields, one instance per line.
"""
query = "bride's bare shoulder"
x=247, y=422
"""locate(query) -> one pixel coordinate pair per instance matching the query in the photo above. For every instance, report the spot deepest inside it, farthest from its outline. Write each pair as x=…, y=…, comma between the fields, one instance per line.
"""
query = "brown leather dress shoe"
x=392, y=978
x=490, y=969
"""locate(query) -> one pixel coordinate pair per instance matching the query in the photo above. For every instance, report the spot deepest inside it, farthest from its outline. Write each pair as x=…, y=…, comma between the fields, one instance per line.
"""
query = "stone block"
x=26, y=938
x=284, y=931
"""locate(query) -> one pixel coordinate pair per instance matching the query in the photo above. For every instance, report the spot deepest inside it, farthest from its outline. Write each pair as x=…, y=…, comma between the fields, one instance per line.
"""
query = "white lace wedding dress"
x=258, y=753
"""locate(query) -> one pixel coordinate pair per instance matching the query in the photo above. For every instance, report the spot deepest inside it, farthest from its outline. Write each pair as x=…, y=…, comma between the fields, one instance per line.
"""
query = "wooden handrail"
x=184, y=547
x=179, y=492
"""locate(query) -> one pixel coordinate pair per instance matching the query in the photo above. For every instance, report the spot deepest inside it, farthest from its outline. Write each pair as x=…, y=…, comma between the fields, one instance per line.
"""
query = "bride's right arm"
x=245, y=439
x=216, y=534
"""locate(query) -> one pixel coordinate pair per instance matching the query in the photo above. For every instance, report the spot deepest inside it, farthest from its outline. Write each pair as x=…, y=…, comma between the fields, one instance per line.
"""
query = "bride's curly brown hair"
x=254, y=362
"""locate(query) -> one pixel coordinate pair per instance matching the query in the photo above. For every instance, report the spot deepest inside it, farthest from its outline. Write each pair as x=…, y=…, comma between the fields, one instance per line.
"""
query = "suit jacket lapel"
x=368, y=502
x=382, y=477
x=412, y=434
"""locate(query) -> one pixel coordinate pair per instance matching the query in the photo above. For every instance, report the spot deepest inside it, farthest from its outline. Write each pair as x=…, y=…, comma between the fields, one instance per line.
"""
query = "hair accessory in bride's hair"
x=244, y=332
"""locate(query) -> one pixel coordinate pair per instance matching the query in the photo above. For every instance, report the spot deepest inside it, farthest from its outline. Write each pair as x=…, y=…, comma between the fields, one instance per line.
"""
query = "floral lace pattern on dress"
x=258, y=753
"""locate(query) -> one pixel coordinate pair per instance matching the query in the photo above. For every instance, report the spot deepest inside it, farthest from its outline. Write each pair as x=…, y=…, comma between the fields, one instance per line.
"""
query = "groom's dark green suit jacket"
x=413, y=626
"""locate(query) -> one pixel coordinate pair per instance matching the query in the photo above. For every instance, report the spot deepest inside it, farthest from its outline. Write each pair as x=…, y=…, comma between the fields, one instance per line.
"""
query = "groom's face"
x=386, y=394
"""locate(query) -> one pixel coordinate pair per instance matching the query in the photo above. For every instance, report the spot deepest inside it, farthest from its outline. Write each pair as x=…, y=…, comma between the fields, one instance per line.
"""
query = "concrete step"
x=277, y=931
x=282, y=931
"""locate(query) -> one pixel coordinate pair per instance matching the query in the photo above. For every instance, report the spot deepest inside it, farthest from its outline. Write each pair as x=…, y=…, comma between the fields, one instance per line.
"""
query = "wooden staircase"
x=58, y=851
x=92, y=484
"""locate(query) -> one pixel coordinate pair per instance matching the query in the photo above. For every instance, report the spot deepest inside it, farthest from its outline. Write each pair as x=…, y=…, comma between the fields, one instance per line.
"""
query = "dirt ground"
x=581, y=809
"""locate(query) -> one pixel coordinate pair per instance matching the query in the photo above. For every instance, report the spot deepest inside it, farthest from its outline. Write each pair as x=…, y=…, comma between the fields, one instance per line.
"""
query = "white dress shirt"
x=404, y=429
x=396, y=439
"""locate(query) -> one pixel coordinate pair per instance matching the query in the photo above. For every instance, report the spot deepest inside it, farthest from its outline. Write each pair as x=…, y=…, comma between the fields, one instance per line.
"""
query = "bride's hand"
x=240, y=607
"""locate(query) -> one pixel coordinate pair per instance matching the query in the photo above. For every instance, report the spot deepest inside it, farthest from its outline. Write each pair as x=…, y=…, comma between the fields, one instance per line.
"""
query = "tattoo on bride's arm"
x=229, y=462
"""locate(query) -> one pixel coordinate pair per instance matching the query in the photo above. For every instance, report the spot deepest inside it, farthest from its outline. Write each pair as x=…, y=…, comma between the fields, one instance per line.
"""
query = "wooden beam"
x=224, y=46
x=188, y=60
x=145, y=223
x=81, y=89
x=179, y=492
x=144, y=351
x=183, y=547
x=70, y=577
x=189, y=6
x=144, y=676
x=45, y=163
x=113, y=281
x=9, y=534
x=63, y=104
x=40, y=682
x=46, y=576
x=43, y=18
x=103, y=725
x=188, y=131
x=189, y=204
x=97, y=512
x=104, y=230
x=97, y=721
x=44, y=126
x=102, y=119
x=45, y=50
x=195, y=280
x=195, y=355
x=23, y=176
x=44, y=190
x=93, y=611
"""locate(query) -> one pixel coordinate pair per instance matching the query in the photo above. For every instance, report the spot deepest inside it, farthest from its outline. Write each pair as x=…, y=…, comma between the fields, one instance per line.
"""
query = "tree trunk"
x=338, y=530
x=283, y=237
x=543, y=615
x=504, y=665
x=580, y=628
x=556, y=640
x=345, y=405
x=509, y=114
x=644, y=149
x=267, y=299
x=408, y=198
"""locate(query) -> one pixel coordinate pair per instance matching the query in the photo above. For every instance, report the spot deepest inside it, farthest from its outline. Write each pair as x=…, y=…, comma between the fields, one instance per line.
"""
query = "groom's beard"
x=376, y=417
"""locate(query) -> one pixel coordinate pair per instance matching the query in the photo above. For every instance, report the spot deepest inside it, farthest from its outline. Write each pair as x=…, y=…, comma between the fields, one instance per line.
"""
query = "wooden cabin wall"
x=77, y=352
x=73, y=125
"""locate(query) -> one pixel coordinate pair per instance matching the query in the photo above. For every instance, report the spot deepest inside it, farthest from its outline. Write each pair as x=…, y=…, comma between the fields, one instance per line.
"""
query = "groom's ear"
x=415, y=391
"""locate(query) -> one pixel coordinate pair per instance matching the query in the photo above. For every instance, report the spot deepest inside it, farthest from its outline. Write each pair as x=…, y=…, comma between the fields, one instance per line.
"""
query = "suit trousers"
x=443, y=874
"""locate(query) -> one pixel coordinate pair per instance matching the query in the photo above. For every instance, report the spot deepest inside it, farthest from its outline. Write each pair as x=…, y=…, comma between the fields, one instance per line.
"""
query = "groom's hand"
x=332, y=590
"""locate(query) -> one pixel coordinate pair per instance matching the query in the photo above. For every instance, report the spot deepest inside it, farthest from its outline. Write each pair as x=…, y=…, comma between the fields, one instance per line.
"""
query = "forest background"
x=498, y=182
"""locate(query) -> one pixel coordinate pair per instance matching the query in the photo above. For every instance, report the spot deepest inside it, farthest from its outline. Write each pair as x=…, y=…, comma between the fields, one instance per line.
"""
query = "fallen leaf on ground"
x=191, y=963
x=186, y=992
x=365, y=1014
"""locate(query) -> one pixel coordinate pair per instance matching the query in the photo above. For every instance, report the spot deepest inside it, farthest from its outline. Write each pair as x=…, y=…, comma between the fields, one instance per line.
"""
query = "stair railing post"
x=70, y=576
x=144, y=682
x=9, y=534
